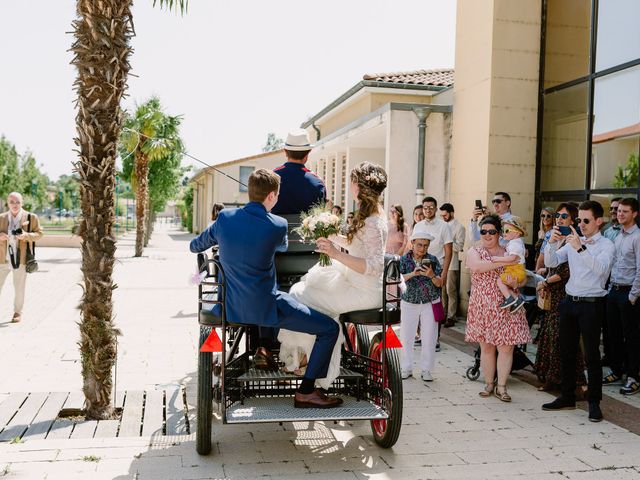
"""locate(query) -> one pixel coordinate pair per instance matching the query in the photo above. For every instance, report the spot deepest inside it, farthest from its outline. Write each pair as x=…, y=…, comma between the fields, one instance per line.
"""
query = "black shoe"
x=595, y=414
x=517, y=305
x=631, y=387
x=437, y=346
x=612, y=379
x=508, y=302
x=560, y=404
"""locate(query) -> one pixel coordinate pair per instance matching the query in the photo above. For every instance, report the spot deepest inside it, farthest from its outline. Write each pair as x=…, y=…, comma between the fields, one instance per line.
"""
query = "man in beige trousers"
x=16, y=229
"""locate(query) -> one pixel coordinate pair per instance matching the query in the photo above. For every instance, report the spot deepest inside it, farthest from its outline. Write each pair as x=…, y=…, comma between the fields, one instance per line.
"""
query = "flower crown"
x=376, y=178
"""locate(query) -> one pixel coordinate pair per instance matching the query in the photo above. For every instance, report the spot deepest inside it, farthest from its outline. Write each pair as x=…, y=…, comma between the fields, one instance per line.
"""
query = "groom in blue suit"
x=248, y=239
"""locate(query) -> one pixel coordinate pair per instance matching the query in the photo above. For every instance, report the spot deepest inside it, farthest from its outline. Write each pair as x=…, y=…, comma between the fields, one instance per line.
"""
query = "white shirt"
x=442, y=233
x=14, y=224
x=516, y=247
x=589, y=269
x=459, y=232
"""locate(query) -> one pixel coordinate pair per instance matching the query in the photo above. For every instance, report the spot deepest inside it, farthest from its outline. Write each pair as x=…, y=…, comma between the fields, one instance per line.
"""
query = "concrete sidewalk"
x=448, y=431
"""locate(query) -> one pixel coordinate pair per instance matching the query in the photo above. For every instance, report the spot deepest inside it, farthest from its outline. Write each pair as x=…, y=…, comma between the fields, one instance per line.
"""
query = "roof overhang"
x=365, y=86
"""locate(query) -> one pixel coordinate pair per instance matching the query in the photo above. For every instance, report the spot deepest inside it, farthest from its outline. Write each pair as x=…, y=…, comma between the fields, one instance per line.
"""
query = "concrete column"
x=422, y=114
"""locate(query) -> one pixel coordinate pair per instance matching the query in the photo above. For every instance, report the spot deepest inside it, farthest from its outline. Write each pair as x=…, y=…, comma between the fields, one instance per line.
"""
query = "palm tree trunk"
x=142, y=198
x=149, y=221
x=102, y=33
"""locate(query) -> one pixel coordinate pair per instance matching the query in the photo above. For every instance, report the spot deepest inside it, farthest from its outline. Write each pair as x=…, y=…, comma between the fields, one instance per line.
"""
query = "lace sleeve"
x=374, y=238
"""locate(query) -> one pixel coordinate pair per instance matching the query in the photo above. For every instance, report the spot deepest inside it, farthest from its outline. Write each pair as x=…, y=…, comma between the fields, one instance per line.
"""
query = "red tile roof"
x=438, y=78
x=618, y=133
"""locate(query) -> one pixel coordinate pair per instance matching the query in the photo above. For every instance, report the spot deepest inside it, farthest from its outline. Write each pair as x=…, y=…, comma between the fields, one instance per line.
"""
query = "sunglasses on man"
x=586, y=221
x=496, y=201
x=563, y=216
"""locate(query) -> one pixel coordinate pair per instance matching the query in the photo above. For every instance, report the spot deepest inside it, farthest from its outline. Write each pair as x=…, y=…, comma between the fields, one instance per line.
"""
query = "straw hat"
x=516, y=222
x=298, y=141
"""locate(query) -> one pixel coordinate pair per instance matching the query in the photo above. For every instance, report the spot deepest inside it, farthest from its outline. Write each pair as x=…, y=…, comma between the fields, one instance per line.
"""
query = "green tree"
x=273, y=143
x=101, y=48
x=9, y=169
x=68, y=185
x=32, y=183
x=627, y=175
x=149, y=135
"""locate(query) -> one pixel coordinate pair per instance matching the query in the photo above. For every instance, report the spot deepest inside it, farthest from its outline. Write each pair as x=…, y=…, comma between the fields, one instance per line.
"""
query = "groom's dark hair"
x=261, y=183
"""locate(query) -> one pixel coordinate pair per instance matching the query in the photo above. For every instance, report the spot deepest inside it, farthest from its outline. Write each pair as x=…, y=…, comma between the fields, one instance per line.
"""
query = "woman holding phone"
x=547, y=363
x=421, y=304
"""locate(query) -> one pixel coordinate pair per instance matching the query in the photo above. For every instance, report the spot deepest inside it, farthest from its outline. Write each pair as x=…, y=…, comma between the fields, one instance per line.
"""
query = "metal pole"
x=126, y=221
x=422, y=114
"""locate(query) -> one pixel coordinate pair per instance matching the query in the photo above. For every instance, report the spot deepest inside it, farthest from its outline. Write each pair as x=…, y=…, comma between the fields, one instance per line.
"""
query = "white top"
x=14, y=224
x=442, y=234
x=459, y=233
x=589, y=269
x=516, y=247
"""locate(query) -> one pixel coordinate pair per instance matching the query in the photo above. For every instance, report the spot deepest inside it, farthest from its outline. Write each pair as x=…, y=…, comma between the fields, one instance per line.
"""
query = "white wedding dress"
x=337, y=289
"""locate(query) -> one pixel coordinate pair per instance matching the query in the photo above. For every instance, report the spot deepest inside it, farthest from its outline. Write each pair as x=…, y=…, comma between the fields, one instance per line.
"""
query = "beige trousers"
x=19, y=282
x=451, y=297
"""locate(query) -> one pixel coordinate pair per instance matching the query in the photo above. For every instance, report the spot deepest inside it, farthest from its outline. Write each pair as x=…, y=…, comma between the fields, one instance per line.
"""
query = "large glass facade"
x=589, y=140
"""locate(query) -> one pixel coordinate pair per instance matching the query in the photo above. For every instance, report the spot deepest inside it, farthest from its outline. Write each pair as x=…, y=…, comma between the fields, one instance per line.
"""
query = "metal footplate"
x=255, y=375
x=281, y=409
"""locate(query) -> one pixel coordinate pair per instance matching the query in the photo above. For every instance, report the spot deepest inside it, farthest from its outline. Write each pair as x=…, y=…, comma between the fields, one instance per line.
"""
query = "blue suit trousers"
x=297, y=317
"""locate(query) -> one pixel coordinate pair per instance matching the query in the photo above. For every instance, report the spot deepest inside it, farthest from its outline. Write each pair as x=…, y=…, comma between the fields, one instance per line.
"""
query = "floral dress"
x=486, y=321
x=547, y=364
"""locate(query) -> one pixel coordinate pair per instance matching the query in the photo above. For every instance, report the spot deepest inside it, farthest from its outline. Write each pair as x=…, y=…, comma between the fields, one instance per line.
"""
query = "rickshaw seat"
x=372, y=316
x=209, y=318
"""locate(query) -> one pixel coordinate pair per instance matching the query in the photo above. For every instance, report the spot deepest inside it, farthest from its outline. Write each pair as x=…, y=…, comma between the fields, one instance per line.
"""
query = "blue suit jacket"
x=248, y=238
x=300, y=189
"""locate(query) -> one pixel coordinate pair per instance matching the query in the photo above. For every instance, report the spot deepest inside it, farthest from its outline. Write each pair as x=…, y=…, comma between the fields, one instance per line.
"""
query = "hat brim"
x=422, y=236
x=298, y=148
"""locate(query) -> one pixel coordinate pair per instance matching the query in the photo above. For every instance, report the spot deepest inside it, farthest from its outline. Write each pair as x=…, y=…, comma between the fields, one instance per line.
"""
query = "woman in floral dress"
x=547, y=364
x=493, y=328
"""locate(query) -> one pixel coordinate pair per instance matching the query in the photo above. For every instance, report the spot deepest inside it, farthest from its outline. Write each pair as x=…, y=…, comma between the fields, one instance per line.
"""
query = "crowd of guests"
x=588, y=280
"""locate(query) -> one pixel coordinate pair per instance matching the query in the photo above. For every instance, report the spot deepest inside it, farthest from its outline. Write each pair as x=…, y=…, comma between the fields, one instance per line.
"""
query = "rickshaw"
x=370, y=380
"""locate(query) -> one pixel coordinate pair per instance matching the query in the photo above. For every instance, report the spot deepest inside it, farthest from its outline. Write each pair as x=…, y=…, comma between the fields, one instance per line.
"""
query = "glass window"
x=244, y=177
x=618, y=38
x=616, y=130
x=564, y=140
x=567, y=43
x=605, y=200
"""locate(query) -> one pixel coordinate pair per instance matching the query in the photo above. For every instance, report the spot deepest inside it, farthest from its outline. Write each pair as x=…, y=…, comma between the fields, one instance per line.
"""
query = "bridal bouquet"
x=317, y=223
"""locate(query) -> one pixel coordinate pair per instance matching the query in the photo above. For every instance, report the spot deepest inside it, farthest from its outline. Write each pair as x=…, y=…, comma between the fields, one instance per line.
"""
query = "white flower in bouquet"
x=318, y=223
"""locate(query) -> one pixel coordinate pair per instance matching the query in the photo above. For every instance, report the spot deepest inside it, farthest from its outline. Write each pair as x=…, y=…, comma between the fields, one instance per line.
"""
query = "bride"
x=353, y=281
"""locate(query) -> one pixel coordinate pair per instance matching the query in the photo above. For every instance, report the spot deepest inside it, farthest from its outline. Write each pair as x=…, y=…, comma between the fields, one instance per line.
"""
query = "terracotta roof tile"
x=437, y=78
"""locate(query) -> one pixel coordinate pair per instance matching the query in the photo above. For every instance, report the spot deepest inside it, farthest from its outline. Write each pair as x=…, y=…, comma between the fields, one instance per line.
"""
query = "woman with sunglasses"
x=487, y=324
x=546, y=225
x=547, y=363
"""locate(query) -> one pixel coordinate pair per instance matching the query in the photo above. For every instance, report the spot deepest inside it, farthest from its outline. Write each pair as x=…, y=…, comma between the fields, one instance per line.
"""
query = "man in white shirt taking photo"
x=582, y=312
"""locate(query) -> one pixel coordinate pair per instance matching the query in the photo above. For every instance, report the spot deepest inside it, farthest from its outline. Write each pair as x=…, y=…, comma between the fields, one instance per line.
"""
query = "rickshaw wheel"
x=205, y=396
x=359, y=337
x=386, y=432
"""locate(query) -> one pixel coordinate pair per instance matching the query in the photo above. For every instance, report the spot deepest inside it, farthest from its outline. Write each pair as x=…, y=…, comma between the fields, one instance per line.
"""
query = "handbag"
x=31, y=265
x=438, y=311
x=544, y=299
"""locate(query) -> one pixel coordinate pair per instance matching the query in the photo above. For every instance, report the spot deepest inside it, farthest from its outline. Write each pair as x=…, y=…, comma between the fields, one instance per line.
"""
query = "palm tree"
x=102, y=33
x=149, y=135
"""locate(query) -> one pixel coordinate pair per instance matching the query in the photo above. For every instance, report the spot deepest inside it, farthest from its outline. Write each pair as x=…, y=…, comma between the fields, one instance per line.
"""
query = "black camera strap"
x=14, y=257
x=31, y=246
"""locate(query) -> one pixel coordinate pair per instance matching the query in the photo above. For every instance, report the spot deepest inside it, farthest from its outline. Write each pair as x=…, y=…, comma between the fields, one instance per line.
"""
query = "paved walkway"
x=448, y=432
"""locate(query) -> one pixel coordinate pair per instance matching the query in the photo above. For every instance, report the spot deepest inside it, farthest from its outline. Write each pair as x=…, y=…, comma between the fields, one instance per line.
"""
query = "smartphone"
x=425, y=262
x=479, y=204
x=564, y=231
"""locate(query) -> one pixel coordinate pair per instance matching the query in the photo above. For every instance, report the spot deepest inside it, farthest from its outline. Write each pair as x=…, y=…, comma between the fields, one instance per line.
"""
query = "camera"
x=17, y=231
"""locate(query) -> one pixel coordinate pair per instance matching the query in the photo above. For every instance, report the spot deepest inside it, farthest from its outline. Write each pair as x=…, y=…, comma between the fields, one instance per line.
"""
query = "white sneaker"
x=426, y=376
x=406, y=374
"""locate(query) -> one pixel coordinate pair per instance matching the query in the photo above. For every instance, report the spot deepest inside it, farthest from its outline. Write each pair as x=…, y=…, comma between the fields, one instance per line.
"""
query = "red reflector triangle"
x=392, y=339
x=212, y=343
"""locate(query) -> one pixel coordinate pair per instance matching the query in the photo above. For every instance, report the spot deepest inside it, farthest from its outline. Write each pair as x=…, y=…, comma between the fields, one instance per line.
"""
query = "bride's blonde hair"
x=371, y=180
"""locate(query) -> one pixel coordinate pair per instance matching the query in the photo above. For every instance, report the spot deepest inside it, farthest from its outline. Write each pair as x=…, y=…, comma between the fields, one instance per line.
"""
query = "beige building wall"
x=495, y=102
x=211, y=186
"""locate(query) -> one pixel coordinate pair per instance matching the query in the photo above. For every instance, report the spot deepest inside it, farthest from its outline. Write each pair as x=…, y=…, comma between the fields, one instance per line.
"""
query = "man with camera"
x=502, y=205
x=590, y=258
x=18, y=230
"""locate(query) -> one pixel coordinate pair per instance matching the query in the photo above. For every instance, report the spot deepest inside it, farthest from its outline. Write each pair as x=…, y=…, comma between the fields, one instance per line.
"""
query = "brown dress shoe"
x=263, y=360
x=450, y=322
x=16, y=317
x=316, y=399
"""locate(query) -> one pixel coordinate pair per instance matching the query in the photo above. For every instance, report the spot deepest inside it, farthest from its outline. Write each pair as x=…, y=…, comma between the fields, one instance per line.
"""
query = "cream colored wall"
x=379, y=99
x=356, y=156
x=495, y=102
x=352, y=112
x=213, y=187
x=401, y=161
